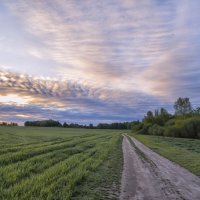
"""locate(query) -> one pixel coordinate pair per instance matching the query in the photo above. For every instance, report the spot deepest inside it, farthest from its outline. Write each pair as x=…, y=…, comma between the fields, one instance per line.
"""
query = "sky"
x=97, y=61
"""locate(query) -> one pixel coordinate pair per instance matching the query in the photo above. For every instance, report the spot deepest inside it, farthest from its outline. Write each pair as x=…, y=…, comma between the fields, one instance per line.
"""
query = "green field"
x=58, y=163
x=185, y=152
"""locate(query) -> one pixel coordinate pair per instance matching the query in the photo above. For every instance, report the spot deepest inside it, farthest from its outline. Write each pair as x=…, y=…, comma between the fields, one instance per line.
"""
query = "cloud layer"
x=109, y=60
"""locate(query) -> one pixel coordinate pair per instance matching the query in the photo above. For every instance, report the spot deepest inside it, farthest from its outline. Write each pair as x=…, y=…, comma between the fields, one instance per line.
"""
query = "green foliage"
x=156, y=130
x=182, y=106
x=189, y=128
x=171, y=122
x=53, y=123
x=160, y=117
x=43, y=123
x=136, y=126
x=177, y=127
x=185, y=123
x=116, y=125
x=145, y=128
x=52, y=163
x=171, y=131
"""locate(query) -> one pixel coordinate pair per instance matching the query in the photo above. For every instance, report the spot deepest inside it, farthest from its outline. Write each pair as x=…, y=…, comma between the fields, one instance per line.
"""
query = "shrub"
x=171, y=131
x=190, y=128
x=171, y=122
x=156, y=130
x=186, y=128
x=145, y=129
x=137, y=127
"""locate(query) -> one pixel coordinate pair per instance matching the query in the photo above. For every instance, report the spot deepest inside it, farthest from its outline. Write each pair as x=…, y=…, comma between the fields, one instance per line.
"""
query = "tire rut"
x=168, y=189
x=149, y=176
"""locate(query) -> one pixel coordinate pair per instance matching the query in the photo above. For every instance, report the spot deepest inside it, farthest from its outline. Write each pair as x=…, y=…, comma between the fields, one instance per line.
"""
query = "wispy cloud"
x=113, y=57
x=96, y=41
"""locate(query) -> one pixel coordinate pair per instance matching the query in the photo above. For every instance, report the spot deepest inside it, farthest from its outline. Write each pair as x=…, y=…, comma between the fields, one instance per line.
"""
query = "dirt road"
x=149, y=176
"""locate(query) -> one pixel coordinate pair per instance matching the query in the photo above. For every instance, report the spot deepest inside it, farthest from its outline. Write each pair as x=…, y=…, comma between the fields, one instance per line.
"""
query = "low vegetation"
x=54, y=163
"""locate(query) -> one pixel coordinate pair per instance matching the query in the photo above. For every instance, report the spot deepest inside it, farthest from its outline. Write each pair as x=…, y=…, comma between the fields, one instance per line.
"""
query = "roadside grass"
x=185, y=152
x=59, y=164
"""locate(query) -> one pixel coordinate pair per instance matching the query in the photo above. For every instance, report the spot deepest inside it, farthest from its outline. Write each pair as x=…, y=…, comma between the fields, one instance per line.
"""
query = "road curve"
x=149, y=176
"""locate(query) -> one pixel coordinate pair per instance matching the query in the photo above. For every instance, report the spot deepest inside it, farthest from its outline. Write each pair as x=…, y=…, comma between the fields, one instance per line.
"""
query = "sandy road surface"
x=149, y=176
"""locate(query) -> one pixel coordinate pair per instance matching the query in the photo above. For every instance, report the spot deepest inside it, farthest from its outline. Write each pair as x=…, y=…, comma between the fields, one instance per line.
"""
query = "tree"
x=163, y=111
x=44, y=123
x=65, y=125
x=149, y=118
x=196, y=111
x=182, y=106
x=150, y=114
x=91, y=126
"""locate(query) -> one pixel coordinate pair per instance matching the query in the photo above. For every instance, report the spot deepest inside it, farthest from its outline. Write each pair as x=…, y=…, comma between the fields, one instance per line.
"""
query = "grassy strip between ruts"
x=185, y=152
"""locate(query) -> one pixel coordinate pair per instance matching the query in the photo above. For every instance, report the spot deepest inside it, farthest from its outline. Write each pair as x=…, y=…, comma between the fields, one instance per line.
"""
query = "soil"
x=149, y=176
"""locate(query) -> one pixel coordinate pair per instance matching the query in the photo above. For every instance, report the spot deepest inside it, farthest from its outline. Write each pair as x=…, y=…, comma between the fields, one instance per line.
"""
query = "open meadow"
x=58, y=163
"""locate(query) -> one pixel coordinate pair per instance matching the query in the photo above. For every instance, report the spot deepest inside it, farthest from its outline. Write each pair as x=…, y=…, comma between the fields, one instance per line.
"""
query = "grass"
x=57, y=163
x=105, y=180
x=185, y=152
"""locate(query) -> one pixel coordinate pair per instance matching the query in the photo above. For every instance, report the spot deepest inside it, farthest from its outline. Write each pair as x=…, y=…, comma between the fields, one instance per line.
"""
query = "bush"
x=171, y=122
x=145, y=129
x=185, y=128
x=156, y=130
x=137, y=127
x=171, y=131
x=190, y=128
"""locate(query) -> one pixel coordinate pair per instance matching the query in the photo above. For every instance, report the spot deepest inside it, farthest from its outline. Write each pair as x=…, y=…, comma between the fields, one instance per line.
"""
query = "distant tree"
x=160, y=117
x=196, y=111
x=149, y=114
x=65, y=125
x=91, y=126
x=156, y=113
x=163, y=117
x=182, y=106
x=116, y=125
x=44, y=123
x=8, y=124
x=13, y=124
x=163, y=111
x=149, y=118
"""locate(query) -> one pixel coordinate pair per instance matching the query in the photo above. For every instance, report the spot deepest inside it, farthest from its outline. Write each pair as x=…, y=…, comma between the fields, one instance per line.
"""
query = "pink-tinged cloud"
x=104, y=57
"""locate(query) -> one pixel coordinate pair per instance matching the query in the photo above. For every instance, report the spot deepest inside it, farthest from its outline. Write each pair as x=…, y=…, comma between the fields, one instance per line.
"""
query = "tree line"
x=53, y=123
x=185, y=122
x=44, y=123
x=8, y=124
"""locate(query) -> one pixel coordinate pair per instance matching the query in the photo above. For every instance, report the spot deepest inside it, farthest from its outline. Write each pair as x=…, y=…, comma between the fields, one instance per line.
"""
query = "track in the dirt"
x=149, y=176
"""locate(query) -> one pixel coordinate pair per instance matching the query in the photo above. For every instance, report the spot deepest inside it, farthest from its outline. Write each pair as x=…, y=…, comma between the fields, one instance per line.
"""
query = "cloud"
x=103, y=57
x=63, y=97
x=176, y=72
x=99, y=42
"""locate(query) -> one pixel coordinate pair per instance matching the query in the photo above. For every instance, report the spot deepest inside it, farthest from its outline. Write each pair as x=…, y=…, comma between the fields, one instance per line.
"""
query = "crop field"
x=185, y=152
x=58, y=163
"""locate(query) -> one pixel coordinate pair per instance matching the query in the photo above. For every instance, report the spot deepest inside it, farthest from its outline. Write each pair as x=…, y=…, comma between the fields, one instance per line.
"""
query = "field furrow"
x=50, y=164
x=14, y=173
x=28, y=153
x=35, y=184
